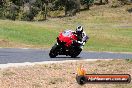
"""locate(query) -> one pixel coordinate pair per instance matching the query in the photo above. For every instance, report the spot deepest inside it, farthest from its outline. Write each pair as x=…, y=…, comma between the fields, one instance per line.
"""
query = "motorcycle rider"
x=81, y=35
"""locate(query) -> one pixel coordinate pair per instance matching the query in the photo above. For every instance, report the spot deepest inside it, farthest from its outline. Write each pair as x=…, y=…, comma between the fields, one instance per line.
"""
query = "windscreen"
x=67, y=33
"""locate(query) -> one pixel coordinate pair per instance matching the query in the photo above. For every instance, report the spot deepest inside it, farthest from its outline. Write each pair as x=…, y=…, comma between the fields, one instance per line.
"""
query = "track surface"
x=13, y=55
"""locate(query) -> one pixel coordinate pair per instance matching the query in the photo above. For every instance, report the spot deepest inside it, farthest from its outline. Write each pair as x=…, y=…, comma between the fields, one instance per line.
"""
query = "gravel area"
x=62, y=75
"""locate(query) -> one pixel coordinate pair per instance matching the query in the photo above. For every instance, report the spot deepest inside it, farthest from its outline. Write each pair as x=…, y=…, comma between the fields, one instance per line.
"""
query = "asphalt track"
x=15, y=55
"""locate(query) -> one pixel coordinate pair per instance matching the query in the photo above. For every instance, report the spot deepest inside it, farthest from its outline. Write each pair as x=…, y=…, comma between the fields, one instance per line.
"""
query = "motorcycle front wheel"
x=54, y=51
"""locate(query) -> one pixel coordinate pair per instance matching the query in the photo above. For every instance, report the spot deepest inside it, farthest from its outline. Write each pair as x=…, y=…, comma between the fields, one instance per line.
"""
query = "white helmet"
x=79, y=30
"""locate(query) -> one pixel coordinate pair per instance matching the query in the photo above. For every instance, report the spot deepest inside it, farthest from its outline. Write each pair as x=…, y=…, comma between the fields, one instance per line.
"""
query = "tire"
x=74, y=52
x=81, y=80
x=54, y=51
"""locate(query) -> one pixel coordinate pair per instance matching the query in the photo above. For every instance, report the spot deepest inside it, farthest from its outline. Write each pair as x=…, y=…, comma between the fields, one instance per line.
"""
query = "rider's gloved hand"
x=80, y=42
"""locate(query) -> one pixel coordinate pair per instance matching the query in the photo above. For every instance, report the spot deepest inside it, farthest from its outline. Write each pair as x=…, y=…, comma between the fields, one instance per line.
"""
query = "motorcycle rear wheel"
x=75, y=52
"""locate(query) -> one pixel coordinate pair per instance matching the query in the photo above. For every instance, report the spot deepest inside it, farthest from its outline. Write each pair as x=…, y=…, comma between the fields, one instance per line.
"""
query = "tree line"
x=29, y=9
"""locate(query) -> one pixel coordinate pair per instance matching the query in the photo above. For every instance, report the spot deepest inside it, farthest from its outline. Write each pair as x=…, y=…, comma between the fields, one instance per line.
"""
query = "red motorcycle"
x=66, y=45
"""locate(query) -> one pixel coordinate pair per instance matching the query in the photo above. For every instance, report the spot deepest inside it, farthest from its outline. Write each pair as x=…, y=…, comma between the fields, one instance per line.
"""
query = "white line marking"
x=24, y=48
x=3, y=66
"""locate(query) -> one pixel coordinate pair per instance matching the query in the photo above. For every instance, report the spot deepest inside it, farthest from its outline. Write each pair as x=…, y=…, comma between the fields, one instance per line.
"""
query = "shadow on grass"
x=130, y=10
x=100, y=3
x=85, y=9
x=60, y=16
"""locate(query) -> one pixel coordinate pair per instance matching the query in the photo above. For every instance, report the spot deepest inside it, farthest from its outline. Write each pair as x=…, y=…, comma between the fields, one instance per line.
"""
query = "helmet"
x=79, y=30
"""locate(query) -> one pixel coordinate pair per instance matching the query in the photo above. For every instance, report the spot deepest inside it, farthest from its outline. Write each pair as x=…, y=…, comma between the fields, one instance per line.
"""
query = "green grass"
x=109, y=30
x=26, y=33
x=110, y=40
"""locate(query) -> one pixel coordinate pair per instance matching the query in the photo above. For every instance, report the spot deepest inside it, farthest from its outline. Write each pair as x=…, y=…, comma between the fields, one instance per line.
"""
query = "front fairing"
x=67, y=37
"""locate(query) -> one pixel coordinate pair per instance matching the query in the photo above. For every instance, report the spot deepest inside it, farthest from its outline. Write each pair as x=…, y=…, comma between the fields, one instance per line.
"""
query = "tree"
x=1, y=2
x=87, y=3
x=101, y=1
x=43, y=8
x=11, y=10
x=33, y=8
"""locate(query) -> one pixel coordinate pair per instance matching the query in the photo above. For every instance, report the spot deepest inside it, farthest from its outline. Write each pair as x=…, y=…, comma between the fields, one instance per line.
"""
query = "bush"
x=11, y=11
x=123, y=2
x=129, y=60
x=117, y=3
x=1, y=12
x=29, y=12
x=28, y=16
